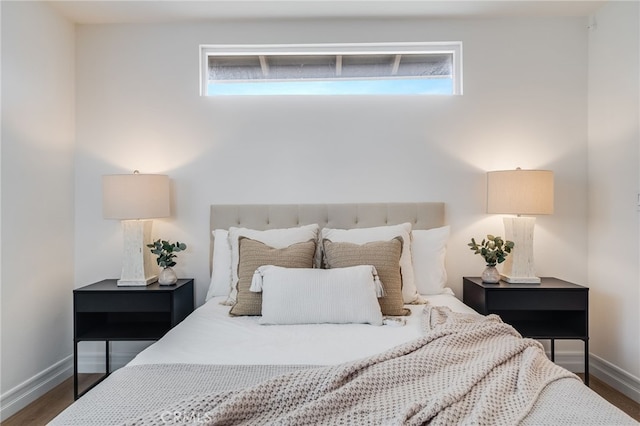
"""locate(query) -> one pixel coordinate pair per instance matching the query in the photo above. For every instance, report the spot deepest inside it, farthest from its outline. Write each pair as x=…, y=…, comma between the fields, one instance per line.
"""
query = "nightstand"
x=105, y=312
x=553, y=309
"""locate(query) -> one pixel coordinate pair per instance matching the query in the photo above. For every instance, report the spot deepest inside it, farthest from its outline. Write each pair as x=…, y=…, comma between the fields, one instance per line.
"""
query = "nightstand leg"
x=106, y=360
x=586, y=362
x=553, y=350
x=75, y=370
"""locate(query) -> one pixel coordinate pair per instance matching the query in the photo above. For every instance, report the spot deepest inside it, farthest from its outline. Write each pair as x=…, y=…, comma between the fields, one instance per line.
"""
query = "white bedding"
x=210, y=336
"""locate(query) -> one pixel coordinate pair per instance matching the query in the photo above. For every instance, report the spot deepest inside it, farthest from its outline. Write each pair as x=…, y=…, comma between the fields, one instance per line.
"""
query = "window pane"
x=426, y=65
x=436, y=86
x=301, y=67
x=348, y=72
x=234, y=68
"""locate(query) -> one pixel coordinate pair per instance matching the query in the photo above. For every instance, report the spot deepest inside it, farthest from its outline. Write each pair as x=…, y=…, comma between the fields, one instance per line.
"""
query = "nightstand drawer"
x=123, y=302
x=535, y=300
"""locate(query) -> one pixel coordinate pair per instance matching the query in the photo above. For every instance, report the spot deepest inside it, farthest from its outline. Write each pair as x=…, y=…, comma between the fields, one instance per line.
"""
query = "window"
x=332, y=69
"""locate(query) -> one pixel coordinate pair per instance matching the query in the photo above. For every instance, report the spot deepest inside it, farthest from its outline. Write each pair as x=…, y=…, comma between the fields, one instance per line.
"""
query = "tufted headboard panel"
x=424, y=215
x=344, y=216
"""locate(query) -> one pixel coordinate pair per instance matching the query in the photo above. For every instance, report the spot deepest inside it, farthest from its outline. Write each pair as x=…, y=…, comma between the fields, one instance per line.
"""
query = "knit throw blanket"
x=466, y=369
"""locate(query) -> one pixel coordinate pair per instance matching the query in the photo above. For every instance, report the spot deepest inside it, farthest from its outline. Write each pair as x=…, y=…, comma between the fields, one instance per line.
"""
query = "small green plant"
x=166, y=252
x=494, y=250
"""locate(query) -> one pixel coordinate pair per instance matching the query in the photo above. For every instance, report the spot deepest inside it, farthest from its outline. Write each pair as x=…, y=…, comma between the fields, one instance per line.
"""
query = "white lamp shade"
x=135, y=196
x=528, y=192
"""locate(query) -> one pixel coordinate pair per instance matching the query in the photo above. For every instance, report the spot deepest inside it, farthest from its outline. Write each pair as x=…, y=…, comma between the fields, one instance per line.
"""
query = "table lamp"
x=135, y=199
x=520, y=192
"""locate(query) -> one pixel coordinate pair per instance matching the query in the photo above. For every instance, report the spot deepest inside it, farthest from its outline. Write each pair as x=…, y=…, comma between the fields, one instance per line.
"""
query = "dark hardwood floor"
x=41, y=411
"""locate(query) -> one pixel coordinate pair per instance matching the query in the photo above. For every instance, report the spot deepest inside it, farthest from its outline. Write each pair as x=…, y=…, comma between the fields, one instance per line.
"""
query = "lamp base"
x=138, y=266
x=520, y=280
x=518, y=268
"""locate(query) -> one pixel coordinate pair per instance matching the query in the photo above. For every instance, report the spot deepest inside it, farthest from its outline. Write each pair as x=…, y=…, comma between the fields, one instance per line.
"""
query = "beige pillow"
x=383, y=233
x=384, y=255
x=254, y=254
x=276, y=238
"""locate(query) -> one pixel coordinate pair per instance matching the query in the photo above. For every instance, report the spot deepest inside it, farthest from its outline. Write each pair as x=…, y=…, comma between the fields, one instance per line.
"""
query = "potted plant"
x=494, y=250
x=166, y=252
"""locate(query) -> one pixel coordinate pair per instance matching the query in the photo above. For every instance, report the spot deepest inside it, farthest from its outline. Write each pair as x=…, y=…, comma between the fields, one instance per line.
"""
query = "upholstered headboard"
x=344, y=216
x=424, y=215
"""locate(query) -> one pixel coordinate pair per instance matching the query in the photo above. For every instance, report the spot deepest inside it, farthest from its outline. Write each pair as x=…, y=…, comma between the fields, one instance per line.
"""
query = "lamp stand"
x=518, y=267
x=138, y=266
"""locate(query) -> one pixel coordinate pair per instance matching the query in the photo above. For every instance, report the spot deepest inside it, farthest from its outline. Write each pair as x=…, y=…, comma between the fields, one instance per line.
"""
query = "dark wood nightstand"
x=553, y=309
x=105, y=312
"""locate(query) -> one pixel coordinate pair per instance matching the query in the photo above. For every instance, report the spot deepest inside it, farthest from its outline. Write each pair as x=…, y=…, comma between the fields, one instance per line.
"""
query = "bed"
x=433, y=360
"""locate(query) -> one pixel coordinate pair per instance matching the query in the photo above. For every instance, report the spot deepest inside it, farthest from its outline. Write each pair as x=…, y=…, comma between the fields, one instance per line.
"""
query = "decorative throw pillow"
x=254, y=254
x=383, y=233
x=429, y=248
x=318, y=296
x=221, y=265
x=276, y=238
x=384, y=255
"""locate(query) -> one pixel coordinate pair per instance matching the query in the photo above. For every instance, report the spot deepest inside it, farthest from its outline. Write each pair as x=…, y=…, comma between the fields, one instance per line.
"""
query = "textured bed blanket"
x=465, y=370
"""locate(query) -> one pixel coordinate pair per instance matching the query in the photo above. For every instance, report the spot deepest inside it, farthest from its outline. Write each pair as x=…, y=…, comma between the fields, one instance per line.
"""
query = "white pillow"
x=276, y=238
x=221, y=265
x=318, y=296
x=428, y=248
x=383, y=233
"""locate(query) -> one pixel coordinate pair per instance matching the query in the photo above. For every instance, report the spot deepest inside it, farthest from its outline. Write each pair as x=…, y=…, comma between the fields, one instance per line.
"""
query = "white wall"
x=37, y=200
x=614, y=134
x=137, y=106
x=524, y=104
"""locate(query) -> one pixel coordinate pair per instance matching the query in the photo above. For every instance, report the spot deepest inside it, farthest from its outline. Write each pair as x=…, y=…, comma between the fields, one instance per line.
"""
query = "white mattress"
x=210, y=336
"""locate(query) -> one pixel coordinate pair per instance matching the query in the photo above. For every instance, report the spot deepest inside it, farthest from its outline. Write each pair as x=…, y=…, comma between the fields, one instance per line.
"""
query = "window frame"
x=453, y=48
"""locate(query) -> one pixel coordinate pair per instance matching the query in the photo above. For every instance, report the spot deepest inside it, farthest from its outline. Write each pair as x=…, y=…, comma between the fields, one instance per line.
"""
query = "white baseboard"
x=93, y=362
x=31, y=389
x=615, y=377
x=91, y=355
x=571, y=360
x=25, y=393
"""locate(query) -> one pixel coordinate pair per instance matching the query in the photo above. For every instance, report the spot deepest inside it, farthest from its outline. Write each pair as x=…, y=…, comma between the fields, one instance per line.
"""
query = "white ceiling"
x=150, y=11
